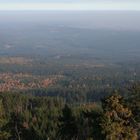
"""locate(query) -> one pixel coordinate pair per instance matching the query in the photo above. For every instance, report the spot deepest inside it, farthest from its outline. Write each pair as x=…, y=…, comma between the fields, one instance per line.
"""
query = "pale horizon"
x=70, y=5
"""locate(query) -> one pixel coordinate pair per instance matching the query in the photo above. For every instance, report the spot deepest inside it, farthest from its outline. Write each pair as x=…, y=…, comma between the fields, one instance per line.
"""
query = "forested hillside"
x=27, y=117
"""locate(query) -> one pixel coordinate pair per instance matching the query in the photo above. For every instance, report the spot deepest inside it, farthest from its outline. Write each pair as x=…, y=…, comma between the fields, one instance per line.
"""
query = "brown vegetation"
x=10, y=81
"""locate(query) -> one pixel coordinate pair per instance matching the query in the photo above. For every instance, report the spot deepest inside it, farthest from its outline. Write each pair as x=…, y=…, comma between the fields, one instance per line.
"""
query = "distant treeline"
x=77, y=81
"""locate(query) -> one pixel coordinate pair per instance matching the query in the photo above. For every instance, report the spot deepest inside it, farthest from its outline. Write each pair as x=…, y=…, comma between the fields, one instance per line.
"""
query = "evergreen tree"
x=15, y=126
x=133, y=101
x=67, y=126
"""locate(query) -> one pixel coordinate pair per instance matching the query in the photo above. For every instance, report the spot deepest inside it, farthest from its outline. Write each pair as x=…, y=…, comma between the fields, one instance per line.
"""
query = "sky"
x=129, y=5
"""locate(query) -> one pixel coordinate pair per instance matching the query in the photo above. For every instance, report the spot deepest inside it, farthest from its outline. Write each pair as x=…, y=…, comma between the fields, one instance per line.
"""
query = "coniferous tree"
x=67, y=126
x=133, y=101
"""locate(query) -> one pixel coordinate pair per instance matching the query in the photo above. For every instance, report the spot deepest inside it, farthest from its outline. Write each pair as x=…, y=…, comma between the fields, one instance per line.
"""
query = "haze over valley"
x=70, y=74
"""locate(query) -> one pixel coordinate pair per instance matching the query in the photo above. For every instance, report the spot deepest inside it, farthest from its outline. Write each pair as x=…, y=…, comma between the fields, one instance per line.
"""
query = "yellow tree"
x=117, y=120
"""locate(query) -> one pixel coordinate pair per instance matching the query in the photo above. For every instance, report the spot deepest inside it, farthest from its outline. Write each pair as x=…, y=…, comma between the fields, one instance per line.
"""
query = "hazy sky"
x=70, y=5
